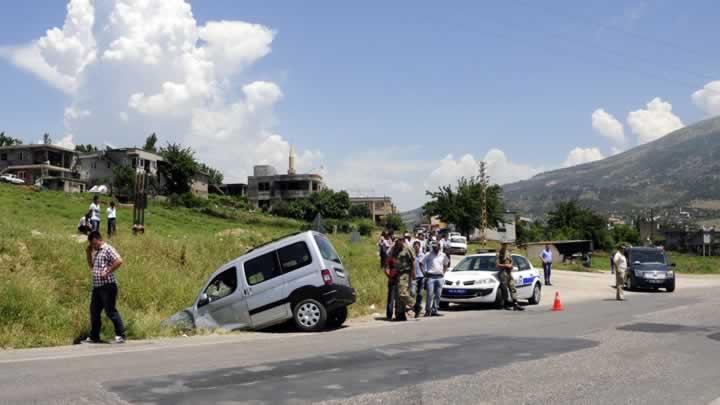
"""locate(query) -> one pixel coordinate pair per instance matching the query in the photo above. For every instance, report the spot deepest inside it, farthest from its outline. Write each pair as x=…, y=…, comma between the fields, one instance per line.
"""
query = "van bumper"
x=336, y=296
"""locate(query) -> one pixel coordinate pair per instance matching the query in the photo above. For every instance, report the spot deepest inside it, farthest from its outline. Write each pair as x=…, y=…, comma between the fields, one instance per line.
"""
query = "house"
x=55, y=167
x=266, y=187
x=234, y=189
x=98, y=167
x=379, y=207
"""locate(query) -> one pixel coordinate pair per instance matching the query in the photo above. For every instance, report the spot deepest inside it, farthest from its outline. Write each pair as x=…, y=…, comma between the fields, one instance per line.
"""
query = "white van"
x=299, y=277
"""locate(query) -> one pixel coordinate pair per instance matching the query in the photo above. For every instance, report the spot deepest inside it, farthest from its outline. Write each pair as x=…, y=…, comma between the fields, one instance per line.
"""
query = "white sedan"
x=475, y=280
x=11, y=178
x=458, y=245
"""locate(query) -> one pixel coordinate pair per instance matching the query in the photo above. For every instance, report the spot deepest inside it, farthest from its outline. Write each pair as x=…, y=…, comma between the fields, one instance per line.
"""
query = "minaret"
x=291, y=161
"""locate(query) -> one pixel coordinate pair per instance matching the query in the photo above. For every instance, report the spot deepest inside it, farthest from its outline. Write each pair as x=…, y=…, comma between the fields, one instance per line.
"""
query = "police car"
x=475, y=279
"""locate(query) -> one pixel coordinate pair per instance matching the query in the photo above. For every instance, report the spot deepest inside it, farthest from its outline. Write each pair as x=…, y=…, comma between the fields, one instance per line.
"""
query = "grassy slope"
x=45, y=284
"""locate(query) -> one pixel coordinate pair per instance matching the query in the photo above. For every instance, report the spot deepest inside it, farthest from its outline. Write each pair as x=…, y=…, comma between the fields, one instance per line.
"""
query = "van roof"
x=272, y=241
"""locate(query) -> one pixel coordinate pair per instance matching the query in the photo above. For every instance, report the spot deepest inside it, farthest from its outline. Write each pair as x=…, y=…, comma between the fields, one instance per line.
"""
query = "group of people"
x=412, y=265
x=91, y=220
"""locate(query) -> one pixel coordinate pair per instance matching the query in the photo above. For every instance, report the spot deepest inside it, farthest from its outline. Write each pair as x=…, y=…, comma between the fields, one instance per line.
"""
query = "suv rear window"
x=261, y=268
x=326, y=249
x=295, y=256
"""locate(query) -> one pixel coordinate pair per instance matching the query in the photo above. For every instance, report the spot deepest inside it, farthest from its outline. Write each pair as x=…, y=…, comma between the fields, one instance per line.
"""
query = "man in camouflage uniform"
x=405, y=265
x=507, y=282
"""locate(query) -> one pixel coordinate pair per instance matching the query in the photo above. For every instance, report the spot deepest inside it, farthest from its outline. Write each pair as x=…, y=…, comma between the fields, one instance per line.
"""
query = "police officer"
x=405, y=264
x=507, y=283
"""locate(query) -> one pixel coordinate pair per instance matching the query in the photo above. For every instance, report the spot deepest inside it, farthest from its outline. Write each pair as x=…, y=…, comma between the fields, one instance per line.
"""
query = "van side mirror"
x=204, y=300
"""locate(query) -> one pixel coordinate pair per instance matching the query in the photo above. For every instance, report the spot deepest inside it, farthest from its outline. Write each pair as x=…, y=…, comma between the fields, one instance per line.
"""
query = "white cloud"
x=708, y=98
x=449, y=170
x=502, y=170
x=654, y=122
x=608, y=126
x=579, y=156
x=66, y=142
x=62, y=55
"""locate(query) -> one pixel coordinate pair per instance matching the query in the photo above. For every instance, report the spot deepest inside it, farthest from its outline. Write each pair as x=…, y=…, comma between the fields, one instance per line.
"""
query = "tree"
x=462, y=205
x=179, y=168
x=123, y=181
x=8, y=140
x=569, y=220
x=394, y=223
x=360, y=211
x=624, y=234
x=150, y=143
x=331, y=204
x=86, y=148
x=530, y=232
x=215, y=177
x=47, y=140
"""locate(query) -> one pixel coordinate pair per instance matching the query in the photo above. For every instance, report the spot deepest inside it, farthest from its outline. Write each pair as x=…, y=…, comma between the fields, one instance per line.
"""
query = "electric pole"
x=483, y=202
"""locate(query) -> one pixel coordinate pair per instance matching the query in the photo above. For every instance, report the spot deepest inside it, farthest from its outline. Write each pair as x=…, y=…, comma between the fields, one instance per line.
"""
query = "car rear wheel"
x=537, y=295
x=337, y=317
x=310, y=315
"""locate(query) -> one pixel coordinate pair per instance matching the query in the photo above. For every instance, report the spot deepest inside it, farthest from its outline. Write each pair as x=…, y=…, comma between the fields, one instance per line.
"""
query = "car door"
x=523, y=275
x=225, y=304
x=265, y=291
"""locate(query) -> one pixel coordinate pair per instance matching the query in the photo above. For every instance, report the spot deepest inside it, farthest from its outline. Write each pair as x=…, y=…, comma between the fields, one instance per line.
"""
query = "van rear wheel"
x=337, y=317
x=310, y=315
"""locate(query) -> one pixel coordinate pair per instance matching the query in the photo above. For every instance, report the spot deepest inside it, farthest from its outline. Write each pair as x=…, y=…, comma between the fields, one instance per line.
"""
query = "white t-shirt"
x=620, y=261
x=435, y=263
x=82, y=222
x=95, y=209
x=111, y=213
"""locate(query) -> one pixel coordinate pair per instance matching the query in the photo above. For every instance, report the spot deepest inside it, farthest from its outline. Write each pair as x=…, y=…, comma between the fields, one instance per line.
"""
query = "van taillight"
x=327, y=277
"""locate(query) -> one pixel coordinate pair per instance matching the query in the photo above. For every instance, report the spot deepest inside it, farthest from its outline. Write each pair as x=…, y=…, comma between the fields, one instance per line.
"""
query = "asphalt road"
x=653, y=348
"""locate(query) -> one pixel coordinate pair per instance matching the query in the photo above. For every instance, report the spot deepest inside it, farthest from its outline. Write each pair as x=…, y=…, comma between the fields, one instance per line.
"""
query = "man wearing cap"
x=507, y=282
x=620, y=262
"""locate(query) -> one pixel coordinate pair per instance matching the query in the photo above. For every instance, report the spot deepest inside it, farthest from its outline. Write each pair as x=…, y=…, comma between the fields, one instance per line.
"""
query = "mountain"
x=679, y=169
x=412, y=217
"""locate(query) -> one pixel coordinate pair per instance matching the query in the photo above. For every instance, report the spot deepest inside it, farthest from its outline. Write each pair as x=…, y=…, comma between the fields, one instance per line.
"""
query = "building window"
x=3, y=156
x=93, y=165
x=108, y=164
x=263, y=186
x=21, y=155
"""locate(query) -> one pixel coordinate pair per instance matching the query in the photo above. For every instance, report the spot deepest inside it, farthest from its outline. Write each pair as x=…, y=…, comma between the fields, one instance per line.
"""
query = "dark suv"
x=649, y=267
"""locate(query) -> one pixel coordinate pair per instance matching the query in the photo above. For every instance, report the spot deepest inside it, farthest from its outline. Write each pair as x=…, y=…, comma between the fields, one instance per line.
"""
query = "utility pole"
x=483, y=201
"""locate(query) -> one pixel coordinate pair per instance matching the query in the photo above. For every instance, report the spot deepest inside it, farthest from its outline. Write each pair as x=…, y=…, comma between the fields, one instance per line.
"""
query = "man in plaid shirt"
x=103, y=260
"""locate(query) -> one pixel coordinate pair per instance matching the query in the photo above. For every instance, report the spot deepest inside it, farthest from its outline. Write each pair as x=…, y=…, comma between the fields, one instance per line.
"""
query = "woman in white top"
x=112, y=218
x=95, y=214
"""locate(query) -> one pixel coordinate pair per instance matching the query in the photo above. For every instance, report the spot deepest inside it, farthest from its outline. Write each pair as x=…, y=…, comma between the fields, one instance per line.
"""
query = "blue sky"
x=380, y=93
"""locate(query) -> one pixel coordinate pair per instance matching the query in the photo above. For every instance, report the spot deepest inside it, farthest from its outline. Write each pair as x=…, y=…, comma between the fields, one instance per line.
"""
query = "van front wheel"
x=310, y=315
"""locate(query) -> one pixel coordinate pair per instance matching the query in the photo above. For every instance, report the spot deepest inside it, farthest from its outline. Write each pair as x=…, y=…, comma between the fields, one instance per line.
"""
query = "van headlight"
x=670, y=274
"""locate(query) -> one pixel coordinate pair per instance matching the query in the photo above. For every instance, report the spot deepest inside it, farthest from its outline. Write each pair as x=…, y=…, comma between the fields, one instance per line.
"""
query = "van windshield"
x=326, y=249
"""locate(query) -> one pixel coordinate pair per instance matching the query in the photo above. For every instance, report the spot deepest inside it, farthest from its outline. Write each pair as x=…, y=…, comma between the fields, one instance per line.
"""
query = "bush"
x=394, y=222
x=365, y=227
x=188, y=200
x=360, y=211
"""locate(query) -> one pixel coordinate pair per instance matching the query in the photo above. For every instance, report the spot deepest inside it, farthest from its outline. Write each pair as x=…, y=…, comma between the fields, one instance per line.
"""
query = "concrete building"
x=266, y=186
x=53, y=166
x=234, y=189
x=97, y=167
x=379, y=207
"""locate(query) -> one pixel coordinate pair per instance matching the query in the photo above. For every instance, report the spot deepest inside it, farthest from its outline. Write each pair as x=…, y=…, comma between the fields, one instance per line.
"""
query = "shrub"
x=187, y=200
x=365, y=227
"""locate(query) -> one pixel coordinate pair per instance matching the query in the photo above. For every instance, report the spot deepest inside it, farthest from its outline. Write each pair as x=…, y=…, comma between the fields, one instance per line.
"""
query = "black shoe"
x=508, y=308
x=435, y=314
x=417, y=314
x=517, y=307
x=549, y=284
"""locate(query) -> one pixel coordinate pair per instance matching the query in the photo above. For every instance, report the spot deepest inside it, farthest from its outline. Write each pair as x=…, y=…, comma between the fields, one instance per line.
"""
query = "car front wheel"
x=671, y=287
x=537, y=295
x=310, y=315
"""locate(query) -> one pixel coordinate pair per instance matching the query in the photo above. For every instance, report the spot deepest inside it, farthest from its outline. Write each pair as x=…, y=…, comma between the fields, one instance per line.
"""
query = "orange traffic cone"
x=557, y=305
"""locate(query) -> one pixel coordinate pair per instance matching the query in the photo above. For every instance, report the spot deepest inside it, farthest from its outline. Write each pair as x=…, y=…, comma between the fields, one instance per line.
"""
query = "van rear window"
x=326, y=249
x=295, y=256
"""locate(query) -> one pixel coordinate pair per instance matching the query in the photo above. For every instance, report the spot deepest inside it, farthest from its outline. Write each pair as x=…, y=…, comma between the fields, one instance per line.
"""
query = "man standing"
x=507, y=282
x=112, y=218
x=419, y=276
x=95, y=214
x=547, y=258
x=103, y=261
x=436, y=264
x=405, y=264
x=620, y=262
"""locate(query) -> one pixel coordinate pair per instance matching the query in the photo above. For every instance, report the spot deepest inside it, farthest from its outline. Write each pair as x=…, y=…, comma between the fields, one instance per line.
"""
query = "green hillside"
x=45, y=283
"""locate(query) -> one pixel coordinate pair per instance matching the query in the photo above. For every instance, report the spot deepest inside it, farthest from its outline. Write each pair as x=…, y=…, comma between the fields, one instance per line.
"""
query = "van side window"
x=222, y=285
x=261, y=268
x=295, y=256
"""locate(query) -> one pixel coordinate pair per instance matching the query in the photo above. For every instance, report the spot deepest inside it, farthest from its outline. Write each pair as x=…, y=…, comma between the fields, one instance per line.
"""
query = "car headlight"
x=638, y=273
x=670, y=274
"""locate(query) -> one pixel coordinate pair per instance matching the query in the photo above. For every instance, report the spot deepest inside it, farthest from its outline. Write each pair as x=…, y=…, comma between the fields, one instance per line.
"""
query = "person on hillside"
x=95, y=211
x=103, y=261
x=111, y=218
x=84, y=227
x=620, y=262
x=436, y=264
x=547, y=258
x=419, y=276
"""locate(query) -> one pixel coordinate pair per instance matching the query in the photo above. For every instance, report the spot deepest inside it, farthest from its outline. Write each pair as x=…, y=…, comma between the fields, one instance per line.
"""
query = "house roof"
x=36, y=146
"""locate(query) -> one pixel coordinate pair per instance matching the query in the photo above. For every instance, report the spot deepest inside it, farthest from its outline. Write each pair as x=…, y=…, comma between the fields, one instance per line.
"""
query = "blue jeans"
x=390, y=308
x=547, y=269
x=95, y=224
x=434, y=287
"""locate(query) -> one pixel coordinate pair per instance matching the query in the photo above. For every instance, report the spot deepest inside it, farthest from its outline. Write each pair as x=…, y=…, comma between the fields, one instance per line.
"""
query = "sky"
x=382, y=98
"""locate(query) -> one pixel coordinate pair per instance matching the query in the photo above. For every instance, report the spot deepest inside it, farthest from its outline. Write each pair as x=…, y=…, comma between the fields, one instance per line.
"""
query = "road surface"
x=654, y=348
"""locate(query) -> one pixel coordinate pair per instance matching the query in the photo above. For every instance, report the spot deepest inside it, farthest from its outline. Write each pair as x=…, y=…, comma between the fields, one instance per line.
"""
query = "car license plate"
x=455, y=291
x=656, y=281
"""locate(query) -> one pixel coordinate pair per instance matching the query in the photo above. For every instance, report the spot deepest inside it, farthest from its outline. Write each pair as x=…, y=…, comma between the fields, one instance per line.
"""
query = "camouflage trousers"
x=402, y=295
x=507, y=287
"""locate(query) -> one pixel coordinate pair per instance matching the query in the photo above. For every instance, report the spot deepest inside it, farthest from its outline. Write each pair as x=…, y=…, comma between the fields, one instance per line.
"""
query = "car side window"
x=261, y=268
x=222, y=285
x=295, y=256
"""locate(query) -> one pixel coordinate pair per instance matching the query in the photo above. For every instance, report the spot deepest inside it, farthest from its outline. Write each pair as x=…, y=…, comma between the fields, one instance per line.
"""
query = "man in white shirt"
x=95, y=214
x=620, y=262
x=112, y=218
x=436, y=264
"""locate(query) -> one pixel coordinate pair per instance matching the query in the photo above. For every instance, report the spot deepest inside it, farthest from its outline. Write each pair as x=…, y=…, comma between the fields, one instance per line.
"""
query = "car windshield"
x=326, y=249
x=477, y=263
x=458, y=239
x=648, y=256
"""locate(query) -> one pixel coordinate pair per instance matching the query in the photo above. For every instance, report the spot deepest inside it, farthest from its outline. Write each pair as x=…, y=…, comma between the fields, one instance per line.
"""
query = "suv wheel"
x=310, y=315
x=537, y=295
x=671, y=287
x=337, y=317
x=629, y=284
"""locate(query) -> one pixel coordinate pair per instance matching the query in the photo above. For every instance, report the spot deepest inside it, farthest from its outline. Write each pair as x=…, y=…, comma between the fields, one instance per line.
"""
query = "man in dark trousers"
x=103, y=261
